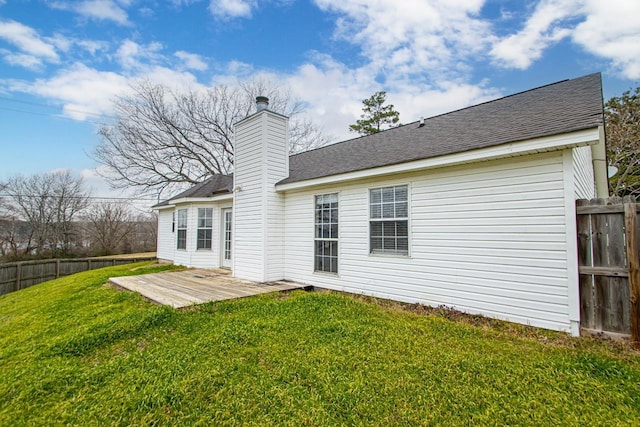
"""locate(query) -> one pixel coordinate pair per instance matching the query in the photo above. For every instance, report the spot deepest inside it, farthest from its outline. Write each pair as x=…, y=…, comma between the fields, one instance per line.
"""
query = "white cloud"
x=191, y=60
x=414, y=39
x=227, y=9
x=102, y=10
x=611, y=30
x=608, y=29
x=170, y=78
x=132, y=55
x=29, y=62
x=544, y=27
x=60, y=42
x=86, y=93
x=27, y=40
x=80, y=89
x=92, y=46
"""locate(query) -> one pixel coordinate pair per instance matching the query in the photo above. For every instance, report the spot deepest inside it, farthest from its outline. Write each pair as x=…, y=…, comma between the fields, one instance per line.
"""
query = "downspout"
x=599, y=159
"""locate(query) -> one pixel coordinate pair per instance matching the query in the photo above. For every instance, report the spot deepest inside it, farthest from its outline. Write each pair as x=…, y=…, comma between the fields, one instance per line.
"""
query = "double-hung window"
x=182, y=229
x=326, y=233
x=389, y=220
x=205, y=228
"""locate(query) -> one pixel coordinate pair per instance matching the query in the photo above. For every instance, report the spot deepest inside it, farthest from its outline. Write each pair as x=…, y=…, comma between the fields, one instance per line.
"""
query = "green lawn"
x=75, y=352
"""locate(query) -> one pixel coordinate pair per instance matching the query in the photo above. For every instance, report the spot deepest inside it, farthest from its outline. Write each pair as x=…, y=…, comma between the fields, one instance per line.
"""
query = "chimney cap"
x=262, y=102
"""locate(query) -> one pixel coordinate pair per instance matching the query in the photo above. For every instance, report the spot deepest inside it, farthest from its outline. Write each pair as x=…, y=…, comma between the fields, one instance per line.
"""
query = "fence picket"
x=633, y=261
x=609, y=267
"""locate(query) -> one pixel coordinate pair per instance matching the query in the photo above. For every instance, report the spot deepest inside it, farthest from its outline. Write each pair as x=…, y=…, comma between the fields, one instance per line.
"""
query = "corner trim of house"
x=573, y=276
x=538, y=145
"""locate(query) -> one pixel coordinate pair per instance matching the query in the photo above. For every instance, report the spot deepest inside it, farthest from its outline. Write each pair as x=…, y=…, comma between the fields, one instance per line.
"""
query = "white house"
x=473, y=209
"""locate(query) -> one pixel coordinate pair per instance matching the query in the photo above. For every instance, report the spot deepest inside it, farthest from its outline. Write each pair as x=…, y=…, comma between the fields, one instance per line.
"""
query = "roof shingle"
x=562, y=107
x=217, y=184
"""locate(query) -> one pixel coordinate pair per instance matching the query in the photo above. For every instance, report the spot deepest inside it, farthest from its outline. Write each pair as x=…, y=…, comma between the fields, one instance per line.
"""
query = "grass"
x=73, y=351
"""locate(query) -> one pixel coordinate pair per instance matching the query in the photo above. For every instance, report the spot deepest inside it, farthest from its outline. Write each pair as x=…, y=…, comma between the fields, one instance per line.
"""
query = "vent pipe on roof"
x=262, y=102
x=421, y=122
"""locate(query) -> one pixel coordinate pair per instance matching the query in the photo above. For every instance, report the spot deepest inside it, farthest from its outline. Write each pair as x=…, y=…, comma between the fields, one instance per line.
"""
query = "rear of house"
x=474, y=209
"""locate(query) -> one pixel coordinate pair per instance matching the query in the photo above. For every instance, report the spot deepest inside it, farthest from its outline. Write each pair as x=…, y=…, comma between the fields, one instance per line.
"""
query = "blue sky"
x=63, y=61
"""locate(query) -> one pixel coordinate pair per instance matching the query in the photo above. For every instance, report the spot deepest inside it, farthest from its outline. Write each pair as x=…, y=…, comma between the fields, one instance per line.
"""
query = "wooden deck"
x=184, y=288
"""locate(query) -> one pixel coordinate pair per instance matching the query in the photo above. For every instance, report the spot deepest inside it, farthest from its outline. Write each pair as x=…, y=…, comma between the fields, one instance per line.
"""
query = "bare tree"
x=15, y=235
x=48, y=202
x=165, y=138
x=107, y=226
x=15, y=239
x=69, y=198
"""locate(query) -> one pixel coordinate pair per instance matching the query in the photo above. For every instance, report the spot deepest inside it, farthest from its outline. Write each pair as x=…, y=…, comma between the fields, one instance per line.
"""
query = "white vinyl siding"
x=486, y=238
x=583, y=173
x=191, y=256
x=166, y=237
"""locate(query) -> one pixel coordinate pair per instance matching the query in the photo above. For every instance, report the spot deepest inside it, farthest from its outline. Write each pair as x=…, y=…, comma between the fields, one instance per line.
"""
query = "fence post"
x=57, y=268
x=18, y=274
x=630, y=222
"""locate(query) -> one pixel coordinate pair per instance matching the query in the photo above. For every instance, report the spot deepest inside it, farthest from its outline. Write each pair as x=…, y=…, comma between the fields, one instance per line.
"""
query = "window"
x=228, y=221
x=205, y=228
x=389, y=220
x=326, y=233
x=182, y=229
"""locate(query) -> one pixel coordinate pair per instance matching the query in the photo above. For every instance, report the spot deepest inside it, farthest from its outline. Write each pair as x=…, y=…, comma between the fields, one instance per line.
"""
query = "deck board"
x=196, y=286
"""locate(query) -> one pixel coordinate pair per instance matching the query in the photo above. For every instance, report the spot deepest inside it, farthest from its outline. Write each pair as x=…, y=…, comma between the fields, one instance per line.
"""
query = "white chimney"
x=261, y=159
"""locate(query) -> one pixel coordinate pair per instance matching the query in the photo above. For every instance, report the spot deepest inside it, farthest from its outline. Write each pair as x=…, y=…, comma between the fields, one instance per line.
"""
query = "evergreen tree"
x=375, y=115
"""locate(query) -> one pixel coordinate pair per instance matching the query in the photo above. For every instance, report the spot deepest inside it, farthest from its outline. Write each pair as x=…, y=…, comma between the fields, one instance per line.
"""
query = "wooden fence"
x=19, y=275
x=609, y=265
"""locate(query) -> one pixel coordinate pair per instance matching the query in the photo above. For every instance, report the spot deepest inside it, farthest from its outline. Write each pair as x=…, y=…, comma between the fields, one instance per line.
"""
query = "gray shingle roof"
x=217, y=184
x=562, y=107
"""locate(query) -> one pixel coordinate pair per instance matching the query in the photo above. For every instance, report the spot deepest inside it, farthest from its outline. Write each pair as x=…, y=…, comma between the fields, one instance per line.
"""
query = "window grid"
x=182, y=229
x=389, y=220
x=205, y=228
x=227, y=235
x=326, y=233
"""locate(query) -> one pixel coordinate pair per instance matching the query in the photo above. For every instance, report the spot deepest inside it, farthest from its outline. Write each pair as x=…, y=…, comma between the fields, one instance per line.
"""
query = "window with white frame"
x=326, y=233
x=182, y=229
x=205, y=228
x=389, y=220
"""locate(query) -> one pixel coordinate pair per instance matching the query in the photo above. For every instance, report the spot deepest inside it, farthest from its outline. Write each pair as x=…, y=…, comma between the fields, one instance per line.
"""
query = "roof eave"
x=215, y=198
x=572, y=139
